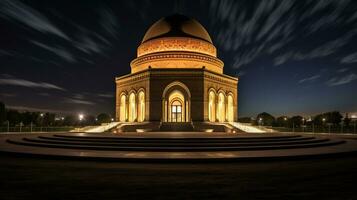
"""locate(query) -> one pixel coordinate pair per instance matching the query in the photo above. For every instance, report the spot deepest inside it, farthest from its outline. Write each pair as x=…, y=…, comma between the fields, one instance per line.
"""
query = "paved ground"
x=34, y=178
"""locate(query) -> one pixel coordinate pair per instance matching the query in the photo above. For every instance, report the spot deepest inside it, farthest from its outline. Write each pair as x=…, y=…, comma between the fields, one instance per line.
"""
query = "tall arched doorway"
x=212, y=106
x=132, y=107
x=141, y=106
x=176, y=103
x=230, y=108
x=123, y=115
x=221, y=107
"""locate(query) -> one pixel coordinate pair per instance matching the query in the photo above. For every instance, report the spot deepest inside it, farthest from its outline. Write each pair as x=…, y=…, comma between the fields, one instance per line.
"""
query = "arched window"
x=141, y=106
x=230, y=109
x=132, y=107
x=176, y=111
x=211, y=106
x=221, y=108
x=123, y=115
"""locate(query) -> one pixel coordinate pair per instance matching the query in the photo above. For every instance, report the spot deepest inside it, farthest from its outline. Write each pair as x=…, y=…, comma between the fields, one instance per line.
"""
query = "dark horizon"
x=292, y=57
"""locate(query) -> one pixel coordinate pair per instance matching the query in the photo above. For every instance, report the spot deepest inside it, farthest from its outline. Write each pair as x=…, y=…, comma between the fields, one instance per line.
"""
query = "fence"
x=318, y=129
x=36, y=129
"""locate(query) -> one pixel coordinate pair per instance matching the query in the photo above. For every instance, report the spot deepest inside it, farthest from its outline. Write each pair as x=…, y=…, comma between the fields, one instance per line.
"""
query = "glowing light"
x=122, y=109
x=80, y=117
x=211, y=106
x=132, y=107
x=141, y=106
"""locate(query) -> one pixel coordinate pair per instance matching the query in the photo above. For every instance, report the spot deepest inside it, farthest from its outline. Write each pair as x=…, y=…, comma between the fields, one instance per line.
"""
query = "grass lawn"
x=36, y=178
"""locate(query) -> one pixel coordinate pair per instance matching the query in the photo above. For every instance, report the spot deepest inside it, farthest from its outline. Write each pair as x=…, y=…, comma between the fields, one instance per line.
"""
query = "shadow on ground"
x=35, y=178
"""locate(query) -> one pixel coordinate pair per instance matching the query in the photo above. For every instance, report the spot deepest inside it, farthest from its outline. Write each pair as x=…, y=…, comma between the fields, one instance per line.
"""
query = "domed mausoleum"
x=176, y=77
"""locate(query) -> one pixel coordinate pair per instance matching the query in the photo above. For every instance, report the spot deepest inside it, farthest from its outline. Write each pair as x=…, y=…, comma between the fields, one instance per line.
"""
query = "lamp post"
x=323, y=123
x=80, y=117
x=303, y=124
x=8, y=125
x=260, y=121
x=41, y=115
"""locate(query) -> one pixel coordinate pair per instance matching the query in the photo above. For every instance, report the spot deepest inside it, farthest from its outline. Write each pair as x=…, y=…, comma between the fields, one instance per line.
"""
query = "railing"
x=246, y=127
x=35, y=129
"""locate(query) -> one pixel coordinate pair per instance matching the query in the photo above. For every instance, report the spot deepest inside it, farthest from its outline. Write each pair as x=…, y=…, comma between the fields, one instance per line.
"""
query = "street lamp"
x=112, y=119
x=41, y=115
x=80, y=117
x=8, y=125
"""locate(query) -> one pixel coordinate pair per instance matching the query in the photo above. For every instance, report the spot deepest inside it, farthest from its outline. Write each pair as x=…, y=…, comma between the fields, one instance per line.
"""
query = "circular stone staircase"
x=175, y=146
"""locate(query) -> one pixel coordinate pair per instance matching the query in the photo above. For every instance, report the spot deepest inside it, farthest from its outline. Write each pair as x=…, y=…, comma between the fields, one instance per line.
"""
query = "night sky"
x=292, y=57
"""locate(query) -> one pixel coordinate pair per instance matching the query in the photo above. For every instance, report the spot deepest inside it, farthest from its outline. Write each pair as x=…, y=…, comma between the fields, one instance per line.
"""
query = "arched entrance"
x=176, y=103
x=221, y=107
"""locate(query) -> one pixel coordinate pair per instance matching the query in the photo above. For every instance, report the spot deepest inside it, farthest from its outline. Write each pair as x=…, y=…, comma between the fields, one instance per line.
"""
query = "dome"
x=177, y=26
x=177, y=42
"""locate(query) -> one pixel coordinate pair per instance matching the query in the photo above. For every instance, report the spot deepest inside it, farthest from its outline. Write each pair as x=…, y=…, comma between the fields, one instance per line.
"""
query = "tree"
x=295, y=121
x=265, y=119
x=90, y=120
x=2, y=113
x=329, y=117
x=347, y=120
x=245, y=120
x=69, y=120
x=103, y=118
x=13, y=116
x=281, y=121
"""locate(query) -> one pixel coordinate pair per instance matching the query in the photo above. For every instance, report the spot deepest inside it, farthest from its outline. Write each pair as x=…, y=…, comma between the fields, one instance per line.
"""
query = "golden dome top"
x=177, y=42
x=177, y=26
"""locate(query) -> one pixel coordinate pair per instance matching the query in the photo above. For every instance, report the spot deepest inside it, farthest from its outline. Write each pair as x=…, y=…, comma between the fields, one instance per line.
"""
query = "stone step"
x=123, y=137
x=181, y=140
x=178, y=149
x=144, y=143
x=177, y=126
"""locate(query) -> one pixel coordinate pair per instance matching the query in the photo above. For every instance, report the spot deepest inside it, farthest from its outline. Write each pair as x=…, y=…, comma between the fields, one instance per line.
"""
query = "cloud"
x=309, y=79
x=5, y=53
x=106, y=95
x=324, y=50
x=78, y=101
x=14, y=9
x=87, y=45
x=271, y=26
x=342, y=80
x=109, y=22
x=342, y=70
x=58, y=51
x=29, y=84
x=352, y=58
x=44, y=110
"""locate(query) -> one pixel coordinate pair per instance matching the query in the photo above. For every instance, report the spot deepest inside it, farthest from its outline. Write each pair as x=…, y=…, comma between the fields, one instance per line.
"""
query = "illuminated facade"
x=176, y=77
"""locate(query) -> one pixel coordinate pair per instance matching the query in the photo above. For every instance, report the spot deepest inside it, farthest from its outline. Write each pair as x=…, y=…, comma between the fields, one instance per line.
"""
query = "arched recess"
x=230, y=108
x=141, y=105
x=122, y=108
x=221, y=107
x=176, y=103
x=212, y=105
x=132, y=107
